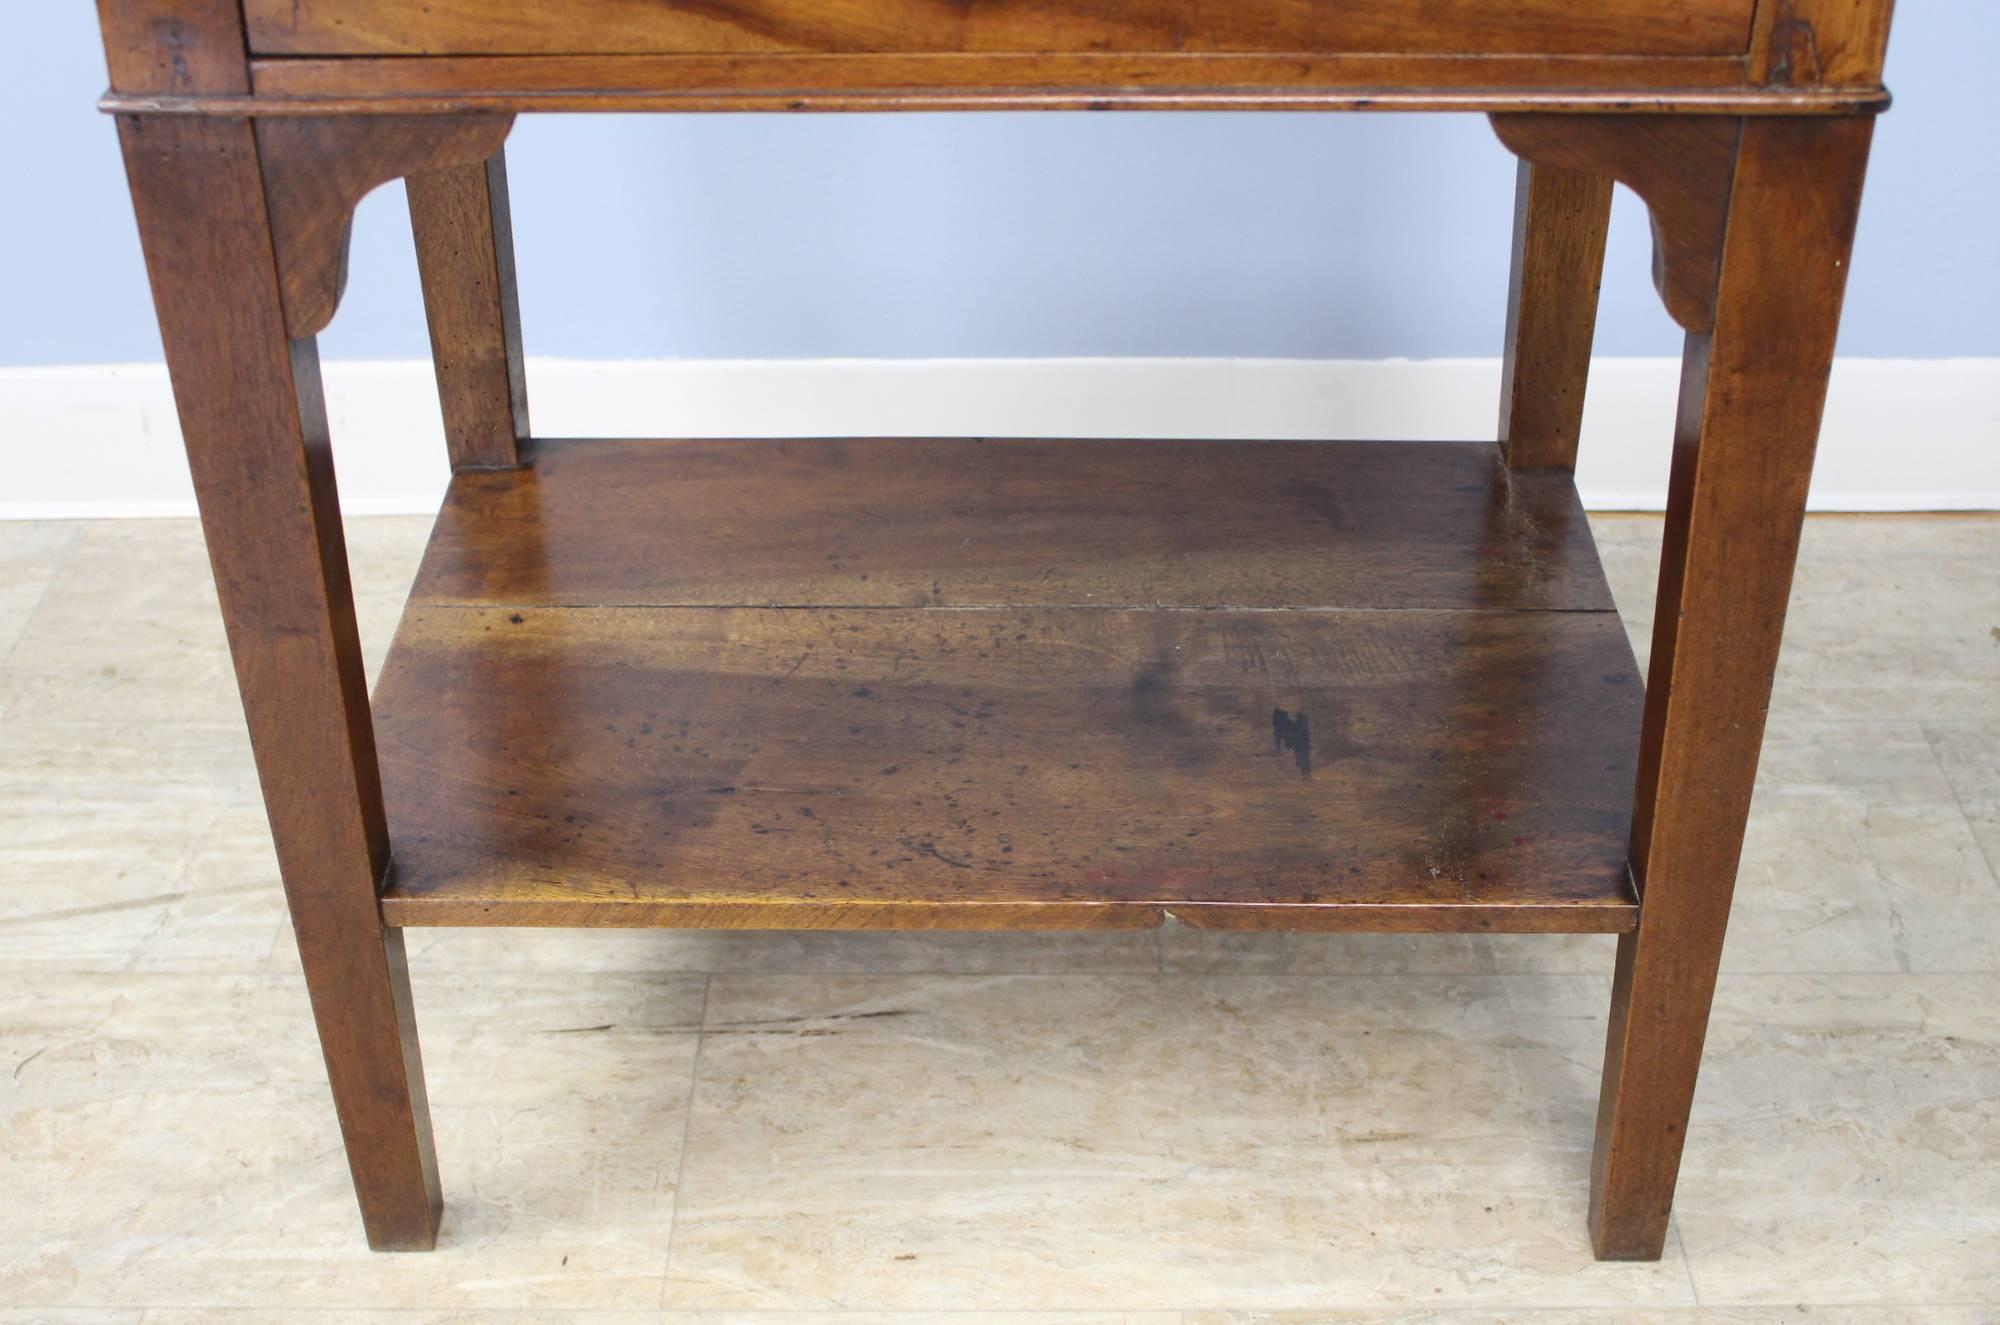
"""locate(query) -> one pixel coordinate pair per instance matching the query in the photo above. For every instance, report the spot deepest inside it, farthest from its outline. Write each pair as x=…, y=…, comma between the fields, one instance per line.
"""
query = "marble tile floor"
x=1171, y=1128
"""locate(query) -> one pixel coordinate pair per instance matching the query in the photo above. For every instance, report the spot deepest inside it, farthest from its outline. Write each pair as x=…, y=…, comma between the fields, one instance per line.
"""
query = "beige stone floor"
x=1171, y=1128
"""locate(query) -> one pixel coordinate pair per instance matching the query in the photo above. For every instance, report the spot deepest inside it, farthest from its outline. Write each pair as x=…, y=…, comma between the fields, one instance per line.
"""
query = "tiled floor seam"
x=1687, y=1263
x=41, y=599
x=1929, y=728
x=687, y=1131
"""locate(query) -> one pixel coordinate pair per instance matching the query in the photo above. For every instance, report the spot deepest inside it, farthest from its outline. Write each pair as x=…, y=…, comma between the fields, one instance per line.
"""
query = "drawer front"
x=654, y=27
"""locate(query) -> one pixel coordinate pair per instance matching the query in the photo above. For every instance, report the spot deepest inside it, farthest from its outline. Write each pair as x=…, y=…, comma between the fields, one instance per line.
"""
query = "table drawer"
x=644, y=27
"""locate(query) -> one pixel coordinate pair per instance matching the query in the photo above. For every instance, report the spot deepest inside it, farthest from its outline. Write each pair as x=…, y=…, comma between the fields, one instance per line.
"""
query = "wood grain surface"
x=317, y=169
x=954, y=683
x=254, y=420
x=460, y=218
x=187, y=47
x=615, y=27
x=1680, y=165
x=1031, y=768
x=1815, y=43
x=1751, y=399
x=1561, y=220
x=958, y=522
x=1069, y=80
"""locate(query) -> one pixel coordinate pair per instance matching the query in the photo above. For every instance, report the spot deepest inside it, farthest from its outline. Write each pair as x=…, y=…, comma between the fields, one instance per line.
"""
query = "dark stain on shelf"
x=1294, y=734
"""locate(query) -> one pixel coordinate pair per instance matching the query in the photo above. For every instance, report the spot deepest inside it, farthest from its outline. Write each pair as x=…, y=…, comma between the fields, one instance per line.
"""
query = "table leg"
x=1560, y=219
x=465, y=252
x=255, y=427
x=1752, y=392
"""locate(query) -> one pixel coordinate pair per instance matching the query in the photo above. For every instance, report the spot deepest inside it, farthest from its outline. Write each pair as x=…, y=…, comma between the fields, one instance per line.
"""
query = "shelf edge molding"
x=1612, y=103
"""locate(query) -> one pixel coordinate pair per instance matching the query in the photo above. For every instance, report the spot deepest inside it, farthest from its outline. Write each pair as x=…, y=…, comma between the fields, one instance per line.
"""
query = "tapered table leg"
x=255, y=427
x=1752, y=392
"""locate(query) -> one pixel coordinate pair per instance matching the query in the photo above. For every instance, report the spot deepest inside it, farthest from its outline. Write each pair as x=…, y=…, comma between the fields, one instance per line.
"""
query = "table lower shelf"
x=1310, y=686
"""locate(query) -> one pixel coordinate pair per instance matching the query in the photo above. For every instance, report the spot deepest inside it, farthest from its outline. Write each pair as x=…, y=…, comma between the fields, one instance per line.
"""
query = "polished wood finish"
x=626, y=27
x=1027, y=710
x=1561, y=218
x=508, y=84
x=188, y=48
x=1041, y=768
x=962, y=523
x=465, y=254
x=1075, y=78
x=1751, y=397
x=1819, y=43
x=1715, y=57
x=1004, y=684
x=1680, y=166
x=317, y=169
x=255, y=426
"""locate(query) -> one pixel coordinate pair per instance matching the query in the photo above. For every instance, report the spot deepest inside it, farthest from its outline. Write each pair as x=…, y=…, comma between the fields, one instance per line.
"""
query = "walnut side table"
x=979, y=684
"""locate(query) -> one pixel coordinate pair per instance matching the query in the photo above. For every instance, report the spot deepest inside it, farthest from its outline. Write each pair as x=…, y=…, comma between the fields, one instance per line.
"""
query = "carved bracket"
x=316, y=170
x=1682, y=166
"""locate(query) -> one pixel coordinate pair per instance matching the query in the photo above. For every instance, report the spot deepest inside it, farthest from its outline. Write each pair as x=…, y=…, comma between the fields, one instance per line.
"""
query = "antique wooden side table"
x=978, y=684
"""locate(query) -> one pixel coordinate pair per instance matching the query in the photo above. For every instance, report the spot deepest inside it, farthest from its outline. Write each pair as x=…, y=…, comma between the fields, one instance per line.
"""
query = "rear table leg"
x=1560, y=219
x=465, y=252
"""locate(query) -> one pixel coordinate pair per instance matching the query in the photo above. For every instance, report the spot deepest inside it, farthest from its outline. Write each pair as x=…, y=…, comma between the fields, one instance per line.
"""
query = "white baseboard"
x=1900, y=435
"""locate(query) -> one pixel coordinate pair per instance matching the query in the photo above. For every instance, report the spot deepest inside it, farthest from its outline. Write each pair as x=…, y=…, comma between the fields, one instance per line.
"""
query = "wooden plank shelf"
x=1011, y=685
